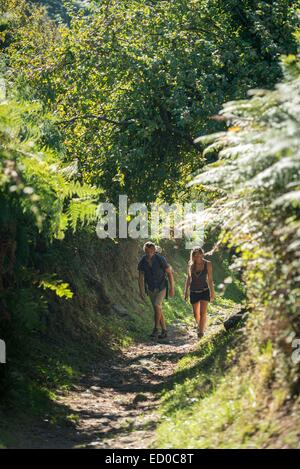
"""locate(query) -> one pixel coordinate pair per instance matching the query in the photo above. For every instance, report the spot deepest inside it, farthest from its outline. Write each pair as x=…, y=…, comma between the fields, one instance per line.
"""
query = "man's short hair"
x=149, y=244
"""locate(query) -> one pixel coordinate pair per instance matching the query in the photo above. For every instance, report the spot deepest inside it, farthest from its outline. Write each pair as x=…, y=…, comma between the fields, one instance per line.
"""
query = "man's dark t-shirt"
x=155, y=274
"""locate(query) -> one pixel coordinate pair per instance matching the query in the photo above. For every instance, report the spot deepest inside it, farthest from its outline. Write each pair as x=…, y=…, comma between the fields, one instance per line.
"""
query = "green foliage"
x=110, y=103
x=132, y=83
x=216, y=402
x=258, y=175
x=58, y=9
x=36, y=183
x=60, y=288
x=39, y=202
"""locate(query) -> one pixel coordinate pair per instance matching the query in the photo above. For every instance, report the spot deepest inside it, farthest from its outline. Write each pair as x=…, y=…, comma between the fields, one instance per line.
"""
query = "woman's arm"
x=210, y=281
x=187, y=285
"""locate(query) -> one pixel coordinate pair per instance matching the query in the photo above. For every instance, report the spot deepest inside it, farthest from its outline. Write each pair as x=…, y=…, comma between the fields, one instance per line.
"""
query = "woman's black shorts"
x=203, y=296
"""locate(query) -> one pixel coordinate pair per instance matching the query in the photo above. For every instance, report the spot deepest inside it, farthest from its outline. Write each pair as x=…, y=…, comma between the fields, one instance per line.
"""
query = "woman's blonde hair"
x=191, y=260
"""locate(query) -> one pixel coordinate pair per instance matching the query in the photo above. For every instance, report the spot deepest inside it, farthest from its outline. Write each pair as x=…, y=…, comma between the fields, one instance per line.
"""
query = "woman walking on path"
x=200, y=283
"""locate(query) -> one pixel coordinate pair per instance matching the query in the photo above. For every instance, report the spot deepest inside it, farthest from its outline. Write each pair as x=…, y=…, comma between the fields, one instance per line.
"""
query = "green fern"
x=39, y=201
x=258, y=174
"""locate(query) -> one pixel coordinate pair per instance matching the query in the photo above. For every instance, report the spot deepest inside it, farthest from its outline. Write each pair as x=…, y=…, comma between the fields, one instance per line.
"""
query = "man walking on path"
x=153, y=268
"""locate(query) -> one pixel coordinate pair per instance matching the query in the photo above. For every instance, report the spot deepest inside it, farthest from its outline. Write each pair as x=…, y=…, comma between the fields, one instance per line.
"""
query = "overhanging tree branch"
x=73, y=119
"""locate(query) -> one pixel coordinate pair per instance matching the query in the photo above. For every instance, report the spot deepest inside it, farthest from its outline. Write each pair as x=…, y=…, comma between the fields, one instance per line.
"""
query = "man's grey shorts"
x=157, y=296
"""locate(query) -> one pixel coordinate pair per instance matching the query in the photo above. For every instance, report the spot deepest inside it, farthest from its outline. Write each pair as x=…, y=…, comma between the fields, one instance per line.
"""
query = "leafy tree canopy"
x=131, y=85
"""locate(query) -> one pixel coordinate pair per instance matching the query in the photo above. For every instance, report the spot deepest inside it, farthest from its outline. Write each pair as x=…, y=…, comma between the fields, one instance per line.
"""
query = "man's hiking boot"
x=163, y=334
x=200, y=334
x=154, y=334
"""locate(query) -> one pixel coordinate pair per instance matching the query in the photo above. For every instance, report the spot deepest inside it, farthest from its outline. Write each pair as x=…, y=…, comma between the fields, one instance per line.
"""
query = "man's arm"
x=171, y=280
x=142, y=284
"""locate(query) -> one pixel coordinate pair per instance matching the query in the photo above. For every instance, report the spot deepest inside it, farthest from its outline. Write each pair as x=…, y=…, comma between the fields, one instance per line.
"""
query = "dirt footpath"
x=116, y=407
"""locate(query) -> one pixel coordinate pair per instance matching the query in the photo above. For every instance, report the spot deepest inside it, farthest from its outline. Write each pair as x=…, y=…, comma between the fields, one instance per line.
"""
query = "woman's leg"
x=196, y=309
x=203, y=313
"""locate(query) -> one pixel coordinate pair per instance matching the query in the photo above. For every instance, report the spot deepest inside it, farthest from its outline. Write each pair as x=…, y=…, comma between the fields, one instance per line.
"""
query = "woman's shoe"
x=154, y=334
x=163, y=334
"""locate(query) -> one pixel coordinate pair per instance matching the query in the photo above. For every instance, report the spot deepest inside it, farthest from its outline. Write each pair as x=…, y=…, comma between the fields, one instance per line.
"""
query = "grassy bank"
x=225, y=395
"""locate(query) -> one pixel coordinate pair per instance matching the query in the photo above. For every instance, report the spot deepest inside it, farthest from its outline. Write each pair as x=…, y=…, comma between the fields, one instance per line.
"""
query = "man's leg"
x=159, y=320
x=159, y=301
x=153, y=296
x=162, y=321
x=157, y=315
x=160, y=298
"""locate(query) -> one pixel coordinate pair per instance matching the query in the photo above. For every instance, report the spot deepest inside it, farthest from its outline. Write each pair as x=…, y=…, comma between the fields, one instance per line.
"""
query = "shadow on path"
x=116, y=405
